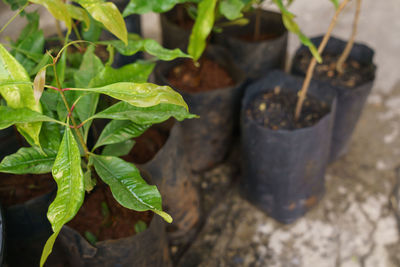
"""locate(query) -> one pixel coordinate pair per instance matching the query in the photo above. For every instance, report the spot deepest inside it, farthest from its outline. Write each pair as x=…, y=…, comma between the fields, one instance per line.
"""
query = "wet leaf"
x=67, y=173
x=127, y=185
x=28, y=160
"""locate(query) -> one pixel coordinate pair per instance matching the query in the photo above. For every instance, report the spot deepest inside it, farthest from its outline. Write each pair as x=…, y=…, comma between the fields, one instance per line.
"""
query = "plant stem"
x=313, y=63
x=257, y=24
x=78, y=133
x=350, y=43
x=13, y=17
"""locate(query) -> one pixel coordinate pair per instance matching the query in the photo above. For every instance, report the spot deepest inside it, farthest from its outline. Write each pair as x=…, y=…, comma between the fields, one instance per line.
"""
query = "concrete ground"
x=354, y=224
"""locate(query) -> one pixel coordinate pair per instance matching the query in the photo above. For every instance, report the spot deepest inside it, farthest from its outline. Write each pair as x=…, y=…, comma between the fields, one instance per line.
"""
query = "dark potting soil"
x=354, y=73
x=105, y=218
x=209, y=76
x=275, y=110
x=17, y=189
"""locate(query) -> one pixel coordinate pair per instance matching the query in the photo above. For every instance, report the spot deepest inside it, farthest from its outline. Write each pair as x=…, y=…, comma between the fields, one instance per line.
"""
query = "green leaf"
x=30, y=43
x=108, y=14
x=45, y=60
x=91, y=238
x=140, y=226
x=119, y=149
x=50, y=136
x=231, y=9
x=202, y=28
x=127, y=186
x=28, y=160
x=149, y=115
x=291, y=25
x=335, y=3
x=93, y=33
x=118, y=131
x=18, y=96
x=10, y=116
x=67, y=173
x=136, y=44
x=57, y=8
x=145, y=6
x=139, y=94
x=15, y=4
x=80, y=14
x=48, y=247
x=90, y=67
x=137, y=72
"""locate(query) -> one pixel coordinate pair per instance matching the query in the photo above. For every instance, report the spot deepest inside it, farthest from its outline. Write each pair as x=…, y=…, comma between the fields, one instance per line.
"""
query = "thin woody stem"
x=313, y=63
x=350, y=43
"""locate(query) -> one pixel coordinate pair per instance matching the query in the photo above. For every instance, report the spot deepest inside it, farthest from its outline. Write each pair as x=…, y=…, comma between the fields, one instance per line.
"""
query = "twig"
x=313, y=63
x=257, y=24
x=350, y=43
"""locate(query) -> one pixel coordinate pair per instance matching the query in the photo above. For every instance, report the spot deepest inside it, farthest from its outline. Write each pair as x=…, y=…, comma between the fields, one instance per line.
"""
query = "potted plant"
x=349, y=67
x=286, y=137
x=55, y=118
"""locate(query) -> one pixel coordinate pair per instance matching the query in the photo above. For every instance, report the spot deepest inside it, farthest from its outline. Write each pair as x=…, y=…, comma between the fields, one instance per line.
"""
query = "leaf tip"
x=164, y=215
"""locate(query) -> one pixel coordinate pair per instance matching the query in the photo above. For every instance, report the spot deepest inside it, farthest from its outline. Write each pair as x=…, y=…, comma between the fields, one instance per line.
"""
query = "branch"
x=313, y=63
x=350, y=43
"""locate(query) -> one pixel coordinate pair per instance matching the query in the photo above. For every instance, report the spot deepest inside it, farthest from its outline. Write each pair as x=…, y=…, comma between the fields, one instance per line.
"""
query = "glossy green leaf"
x=67, y=173
x=80, y=14
x=136, y=44
x=90, y=67
x=202, y=28
x=93, y=33
x=145, y=6
x=139, y=94
x=10, y=116
x=28, y=160
x=231, y=9
x=119, y=149
x=50, y=136
x=149, y=115
x=57, y=8
x=18, y=96
x=118, y=131
x=137, y=72
x=108, y=14
x=127, y=186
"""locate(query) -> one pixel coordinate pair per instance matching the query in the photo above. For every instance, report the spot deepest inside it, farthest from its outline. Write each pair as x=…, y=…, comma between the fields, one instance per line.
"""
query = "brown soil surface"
x=275, y=110
x=354, y=73
x=209, y=76
x=147, y=145
x=119, y=223
x=17, y=189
